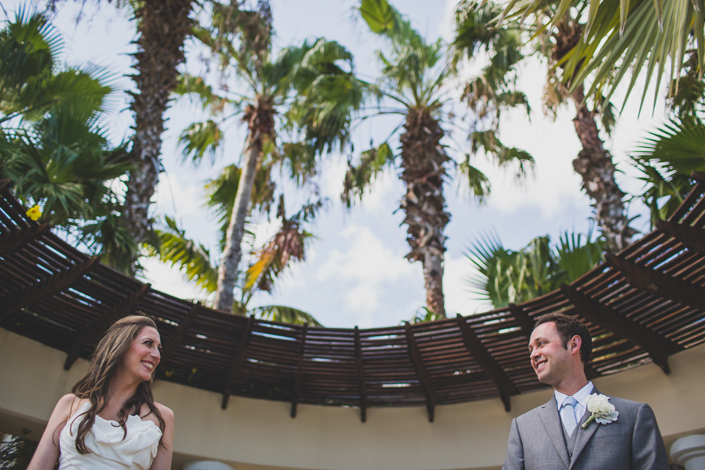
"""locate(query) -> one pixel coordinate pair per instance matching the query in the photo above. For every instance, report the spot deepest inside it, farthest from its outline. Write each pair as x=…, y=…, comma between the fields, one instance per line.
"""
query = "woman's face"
x=143, y=355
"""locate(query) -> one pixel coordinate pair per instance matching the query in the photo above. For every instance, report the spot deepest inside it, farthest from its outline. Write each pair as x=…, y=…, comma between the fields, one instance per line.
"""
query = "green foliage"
x=52, y=145
x=425, y=315
x=505, y=276
x=680, y=145
x=31, y=82
x=283, y=314
x=664, y=189
x=359, y=177
x=649, y=38
x=171, y=246
x=221, y=192
x=16, y=452
x=199, y=139
x=478, y=184
x=493, y=90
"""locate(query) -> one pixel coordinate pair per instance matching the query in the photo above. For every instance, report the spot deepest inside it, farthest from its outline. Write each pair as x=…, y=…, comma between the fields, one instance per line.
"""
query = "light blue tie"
x=568, y=415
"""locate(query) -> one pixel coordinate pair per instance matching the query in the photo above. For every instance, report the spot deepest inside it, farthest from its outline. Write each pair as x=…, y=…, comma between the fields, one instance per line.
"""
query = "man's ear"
x=574, y=344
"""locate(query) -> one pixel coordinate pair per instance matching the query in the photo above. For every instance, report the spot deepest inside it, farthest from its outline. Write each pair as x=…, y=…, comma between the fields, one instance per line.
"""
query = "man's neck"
x=571, y=385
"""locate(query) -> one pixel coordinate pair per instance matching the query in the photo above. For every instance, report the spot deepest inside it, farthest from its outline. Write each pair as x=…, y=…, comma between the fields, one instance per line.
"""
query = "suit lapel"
x=584, y=435
x=554, y=428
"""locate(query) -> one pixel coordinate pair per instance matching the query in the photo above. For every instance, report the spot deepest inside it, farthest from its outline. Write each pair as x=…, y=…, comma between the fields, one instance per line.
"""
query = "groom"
x=551, y=436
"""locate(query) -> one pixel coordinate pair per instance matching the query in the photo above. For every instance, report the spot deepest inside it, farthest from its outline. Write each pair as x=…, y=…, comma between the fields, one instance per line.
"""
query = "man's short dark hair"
x=568, y=327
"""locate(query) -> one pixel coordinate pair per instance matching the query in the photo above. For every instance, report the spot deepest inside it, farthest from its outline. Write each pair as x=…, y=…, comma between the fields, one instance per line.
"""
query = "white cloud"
x=367, y=259
x=458, y=298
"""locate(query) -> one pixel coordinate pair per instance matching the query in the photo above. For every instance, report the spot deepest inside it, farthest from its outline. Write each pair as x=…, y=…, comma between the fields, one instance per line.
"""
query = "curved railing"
x=642, y=305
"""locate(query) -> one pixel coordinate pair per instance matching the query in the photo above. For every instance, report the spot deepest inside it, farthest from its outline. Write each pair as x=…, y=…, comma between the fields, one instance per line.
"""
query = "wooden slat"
x=698, y=176
x=525, y=321
x=659, y=348
x=421, y=372
x=45, y=288
x=237, y=361
x=100, y=326
x=299, y=367
x=361, y=376
x=692, y=237
x=660, y=284
x=179, y=332
x=474, y=345
x=12, y=241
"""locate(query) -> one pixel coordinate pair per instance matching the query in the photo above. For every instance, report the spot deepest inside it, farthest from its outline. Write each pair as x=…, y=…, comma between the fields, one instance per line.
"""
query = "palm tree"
x=269, y=262
x=284, y=93
x=555, y=31
x=505, y=276
x=622, y=38
x=494, y=89
x=411, y=85
x=51, y=143
x=162, y=27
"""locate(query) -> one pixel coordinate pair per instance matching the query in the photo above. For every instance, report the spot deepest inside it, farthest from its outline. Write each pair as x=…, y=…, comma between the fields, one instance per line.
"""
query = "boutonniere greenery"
x=602, y=410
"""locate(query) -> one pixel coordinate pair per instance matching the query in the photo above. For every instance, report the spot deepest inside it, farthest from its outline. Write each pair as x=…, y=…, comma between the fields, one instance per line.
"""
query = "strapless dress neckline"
x=109, y=447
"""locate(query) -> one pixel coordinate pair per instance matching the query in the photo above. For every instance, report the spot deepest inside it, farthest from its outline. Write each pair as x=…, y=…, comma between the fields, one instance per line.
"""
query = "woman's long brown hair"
x=95, y=385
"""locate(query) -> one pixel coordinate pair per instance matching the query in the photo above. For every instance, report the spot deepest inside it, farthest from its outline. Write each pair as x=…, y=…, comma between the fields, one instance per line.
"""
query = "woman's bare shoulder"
x=166, y=412
x=66, y=407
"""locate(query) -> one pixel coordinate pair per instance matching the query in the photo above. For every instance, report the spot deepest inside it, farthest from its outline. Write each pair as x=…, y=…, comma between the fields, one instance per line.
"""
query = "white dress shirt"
x=580, y=396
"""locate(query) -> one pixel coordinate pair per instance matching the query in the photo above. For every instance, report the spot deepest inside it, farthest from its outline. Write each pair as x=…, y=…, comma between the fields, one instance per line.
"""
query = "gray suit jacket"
x=632, y=442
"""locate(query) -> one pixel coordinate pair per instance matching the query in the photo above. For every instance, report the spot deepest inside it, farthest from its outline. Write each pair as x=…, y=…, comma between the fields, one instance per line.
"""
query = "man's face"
x=551, y=361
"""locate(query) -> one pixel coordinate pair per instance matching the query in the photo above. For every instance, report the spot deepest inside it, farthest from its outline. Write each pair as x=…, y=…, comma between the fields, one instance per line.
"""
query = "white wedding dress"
x=108, y=449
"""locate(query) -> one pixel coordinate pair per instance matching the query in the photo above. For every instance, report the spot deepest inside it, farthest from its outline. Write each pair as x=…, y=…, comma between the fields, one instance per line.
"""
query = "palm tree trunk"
x=594, y=164
x=163, y=27
x=228, y=270
x=423, y=160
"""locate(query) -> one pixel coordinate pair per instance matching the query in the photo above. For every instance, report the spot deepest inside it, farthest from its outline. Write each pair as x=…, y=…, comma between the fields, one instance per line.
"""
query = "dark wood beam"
x=474, y=345
x=100, y=326
x=421, y=371
x=5, y=184
x=657, y=283
x=52, y=285
x=658, y=347
x=361, y=376
x=11, y=241
x=299, y=367
x=238, y=360
x=179, y=332
x=525, y=321
x=698, y=176
x=692, y=237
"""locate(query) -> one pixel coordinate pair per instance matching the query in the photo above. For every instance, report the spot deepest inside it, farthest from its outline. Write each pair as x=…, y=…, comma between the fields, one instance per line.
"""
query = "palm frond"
x=283, y=314
x=200, y=139
x=359, y=177
x=678, y=144
x=192, y=259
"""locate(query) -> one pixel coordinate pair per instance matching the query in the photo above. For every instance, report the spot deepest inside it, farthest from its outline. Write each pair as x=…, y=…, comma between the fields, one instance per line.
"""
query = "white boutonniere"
x=602, y=410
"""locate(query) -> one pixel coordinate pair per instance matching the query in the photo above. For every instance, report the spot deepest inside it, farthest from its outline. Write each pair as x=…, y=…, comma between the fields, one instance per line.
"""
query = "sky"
x=355, y=272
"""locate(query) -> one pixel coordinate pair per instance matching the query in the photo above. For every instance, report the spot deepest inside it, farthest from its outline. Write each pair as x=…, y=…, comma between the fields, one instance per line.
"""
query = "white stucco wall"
x=259, y=434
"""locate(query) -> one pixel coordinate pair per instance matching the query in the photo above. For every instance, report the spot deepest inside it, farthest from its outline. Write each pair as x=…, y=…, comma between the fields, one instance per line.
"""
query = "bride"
x=110, y=420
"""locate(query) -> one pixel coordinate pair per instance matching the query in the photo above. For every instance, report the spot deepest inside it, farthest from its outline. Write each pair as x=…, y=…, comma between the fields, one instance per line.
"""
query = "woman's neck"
x=121, y=390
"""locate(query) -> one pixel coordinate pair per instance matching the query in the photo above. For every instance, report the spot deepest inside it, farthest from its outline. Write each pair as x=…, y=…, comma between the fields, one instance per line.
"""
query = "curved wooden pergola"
x=642, y=305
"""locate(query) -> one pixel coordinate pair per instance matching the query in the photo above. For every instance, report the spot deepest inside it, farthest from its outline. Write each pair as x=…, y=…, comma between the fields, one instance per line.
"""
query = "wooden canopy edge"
x=654, y=312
